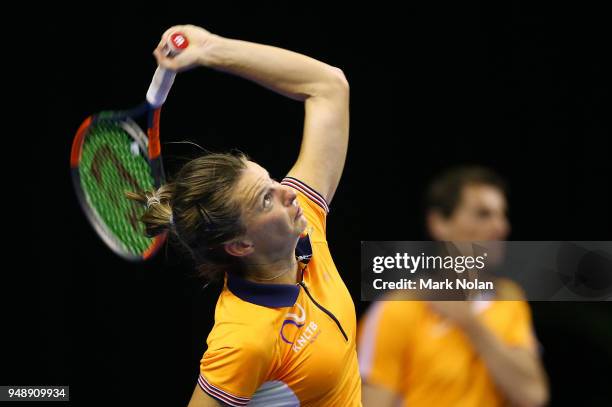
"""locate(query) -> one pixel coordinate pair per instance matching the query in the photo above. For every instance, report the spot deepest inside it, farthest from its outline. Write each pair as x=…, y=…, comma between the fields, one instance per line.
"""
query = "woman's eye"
x=267, y=200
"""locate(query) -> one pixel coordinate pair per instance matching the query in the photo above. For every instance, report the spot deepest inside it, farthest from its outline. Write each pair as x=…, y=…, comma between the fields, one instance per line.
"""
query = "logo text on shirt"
x=308, y=335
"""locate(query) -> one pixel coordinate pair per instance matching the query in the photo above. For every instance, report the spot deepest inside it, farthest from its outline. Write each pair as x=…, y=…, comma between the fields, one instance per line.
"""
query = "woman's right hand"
x=199, y=41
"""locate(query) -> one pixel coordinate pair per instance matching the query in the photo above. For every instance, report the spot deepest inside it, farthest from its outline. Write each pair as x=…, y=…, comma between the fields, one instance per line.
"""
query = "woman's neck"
x=267, y=271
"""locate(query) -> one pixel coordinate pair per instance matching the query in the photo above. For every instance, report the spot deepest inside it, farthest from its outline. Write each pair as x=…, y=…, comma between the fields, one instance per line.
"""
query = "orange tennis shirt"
x=286, y=345
x=406, y=348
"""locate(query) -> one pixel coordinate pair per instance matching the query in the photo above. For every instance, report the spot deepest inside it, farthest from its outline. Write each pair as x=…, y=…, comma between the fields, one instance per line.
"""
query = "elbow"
x=536, y=396
x=340, y=79
x=334, y=86
x=541, y=397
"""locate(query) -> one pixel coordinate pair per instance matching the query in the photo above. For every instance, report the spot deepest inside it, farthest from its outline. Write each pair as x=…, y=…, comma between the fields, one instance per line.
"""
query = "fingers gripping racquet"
x=111, y=155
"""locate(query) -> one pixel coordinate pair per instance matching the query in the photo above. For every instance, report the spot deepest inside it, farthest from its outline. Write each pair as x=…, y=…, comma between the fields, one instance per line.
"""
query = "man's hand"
x=458, y=312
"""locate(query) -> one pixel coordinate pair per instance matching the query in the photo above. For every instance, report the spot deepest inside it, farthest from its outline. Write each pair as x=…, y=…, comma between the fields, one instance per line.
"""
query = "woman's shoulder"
x=249, y=337
x=245, y=323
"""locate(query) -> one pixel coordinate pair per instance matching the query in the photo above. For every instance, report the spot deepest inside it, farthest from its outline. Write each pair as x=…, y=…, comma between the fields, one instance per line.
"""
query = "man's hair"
x=444, y=192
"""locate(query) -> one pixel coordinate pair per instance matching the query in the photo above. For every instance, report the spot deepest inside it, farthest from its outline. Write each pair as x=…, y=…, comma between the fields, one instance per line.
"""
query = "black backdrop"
x=521, y=88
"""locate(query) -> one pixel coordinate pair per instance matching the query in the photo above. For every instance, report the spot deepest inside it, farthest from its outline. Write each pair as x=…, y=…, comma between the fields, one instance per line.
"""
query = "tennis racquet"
x=111, y=155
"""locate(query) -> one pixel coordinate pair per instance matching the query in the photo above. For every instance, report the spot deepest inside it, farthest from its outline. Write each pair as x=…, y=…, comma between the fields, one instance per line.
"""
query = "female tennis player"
x=284, y=330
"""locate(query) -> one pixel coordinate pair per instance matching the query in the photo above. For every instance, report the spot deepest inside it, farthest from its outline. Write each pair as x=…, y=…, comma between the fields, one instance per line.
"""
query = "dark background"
x=518, y=87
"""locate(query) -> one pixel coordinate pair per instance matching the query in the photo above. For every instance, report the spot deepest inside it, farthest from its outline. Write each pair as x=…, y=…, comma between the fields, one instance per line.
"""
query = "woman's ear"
x=239, y=247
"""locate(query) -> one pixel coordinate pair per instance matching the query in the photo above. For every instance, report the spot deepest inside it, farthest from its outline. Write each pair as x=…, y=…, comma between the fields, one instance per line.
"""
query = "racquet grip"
x=164, y=78
x=160, y=87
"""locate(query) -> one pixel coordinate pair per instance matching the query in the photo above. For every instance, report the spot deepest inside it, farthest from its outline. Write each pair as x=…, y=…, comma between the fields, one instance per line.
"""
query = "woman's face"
x=270, y=211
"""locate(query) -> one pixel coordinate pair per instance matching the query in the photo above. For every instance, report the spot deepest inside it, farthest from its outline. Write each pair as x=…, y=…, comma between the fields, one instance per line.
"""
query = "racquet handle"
x=164, y=78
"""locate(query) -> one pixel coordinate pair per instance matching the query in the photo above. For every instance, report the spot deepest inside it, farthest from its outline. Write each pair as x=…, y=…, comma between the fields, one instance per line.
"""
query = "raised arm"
x=323, y=89
x=201, y=399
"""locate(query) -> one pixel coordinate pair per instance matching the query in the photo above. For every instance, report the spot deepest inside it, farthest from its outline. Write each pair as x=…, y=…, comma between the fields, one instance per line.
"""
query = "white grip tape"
x=160, y=86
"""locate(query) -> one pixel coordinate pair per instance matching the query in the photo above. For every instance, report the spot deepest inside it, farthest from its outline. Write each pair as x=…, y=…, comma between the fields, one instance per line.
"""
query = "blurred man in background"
x=450, y=353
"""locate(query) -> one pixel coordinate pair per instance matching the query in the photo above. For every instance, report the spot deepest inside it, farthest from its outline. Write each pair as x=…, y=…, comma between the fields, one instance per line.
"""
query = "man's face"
x=479, y=216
